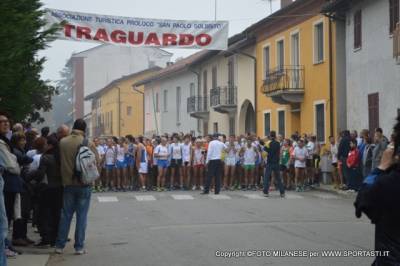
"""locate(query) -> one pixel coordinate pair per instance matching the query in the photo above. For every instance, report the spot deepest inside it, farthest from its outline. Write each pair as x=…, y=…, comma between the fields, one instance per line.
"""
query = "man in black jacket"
x=379, y=199
x=274, y=151
x=343, y=153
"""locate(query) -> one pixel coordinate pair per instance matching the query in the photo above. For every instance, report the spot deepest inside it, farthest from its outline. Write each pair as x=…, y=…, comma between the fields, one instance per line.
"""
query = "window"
x=319, y=42
x=232, y=126
x=357, y=29
x=99, y=103
x=320, y=121
x=165, y=100
x=280, y=56
x=267, y=124
x=393, y=14
x=373, y=111
x=281, y=123
x=215, y=127
x=214, y=77
x=192, y=89
x=157, y=103
x=266, y=61
x=178, y=104
x=295, y=54
x=129, y=110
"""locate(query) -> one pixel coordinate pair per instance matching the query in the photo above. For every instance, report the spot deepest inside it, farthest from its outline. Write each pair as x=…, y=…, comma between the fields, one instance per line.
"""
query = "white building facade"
x=372, y=73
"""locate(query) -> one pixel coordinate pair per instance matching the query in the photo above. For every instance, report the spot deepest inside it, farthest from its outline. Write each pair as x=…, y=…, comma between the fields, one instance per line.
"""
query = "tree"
x=22, y=91
x=63, y=101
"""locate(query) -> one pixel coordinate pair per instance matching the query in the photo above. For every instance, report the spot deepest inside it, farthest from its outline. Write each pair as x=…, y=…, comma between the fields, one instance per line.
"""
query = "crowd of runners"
x=41, y=185
x=177, y=161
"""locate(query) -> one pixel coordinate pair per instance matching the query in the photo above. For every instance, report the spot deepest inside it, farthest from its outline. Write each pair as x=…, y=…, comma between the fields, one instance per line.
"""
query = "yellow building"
x=117, y=109
x=296, y=72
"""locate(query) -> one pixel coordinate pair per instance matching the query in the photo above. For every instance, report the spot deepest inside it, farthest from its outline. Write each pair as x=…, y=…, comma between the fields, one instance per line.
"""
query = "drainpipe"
x=331, y=78
x=198, y=86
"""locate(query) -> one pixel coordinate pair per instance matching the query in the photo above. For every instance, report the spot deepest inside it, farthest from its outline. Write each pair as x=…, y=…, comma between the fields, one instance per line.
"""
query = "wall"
x=221, y=62
x=372, y=68
x=106, y=63
x=316, y=79
x=168, y=120
x=245, y=83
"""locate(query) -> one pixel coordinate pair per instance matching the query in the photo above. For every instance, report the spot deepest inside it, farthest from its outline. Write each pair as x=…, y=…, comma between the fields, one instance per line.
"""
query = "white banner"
x=139, y=31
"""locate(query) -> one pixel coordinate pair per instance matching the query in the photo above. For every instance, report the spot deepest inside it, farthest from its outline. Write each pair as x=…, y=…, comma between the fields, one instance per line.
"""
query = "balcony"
x=285, y=85
x=224, y=99
x=197, y=107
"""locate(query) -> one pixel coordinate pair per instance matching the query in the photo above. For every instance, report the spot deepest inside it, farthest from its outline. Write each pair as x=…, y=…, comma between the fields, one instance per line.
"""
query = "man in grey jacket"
x=8, y=162
x=381, y=143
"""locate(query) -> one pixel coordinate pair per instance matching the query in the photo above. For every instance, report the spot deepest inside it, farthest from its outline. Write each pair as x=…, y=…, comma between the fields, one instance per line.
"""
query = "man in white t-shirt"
x=214, y=164
x=300, y=157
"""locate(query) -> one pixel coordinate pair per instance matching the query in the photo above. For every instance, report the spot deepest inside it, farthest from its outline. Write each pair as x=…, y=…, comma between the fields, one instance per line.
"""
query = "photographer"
x=379, y=199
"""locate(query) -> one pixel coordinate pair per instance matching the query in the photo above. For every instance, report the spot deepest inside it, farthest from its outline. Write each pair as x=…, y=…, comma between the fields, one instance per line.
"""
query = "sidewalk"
x=330, y=189
x=32, y=256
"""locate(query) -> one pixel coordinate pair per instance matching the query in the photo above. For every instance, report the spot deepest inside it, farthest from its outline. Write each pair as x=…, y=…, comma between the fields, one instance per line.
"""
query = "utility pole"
x=119, y=111
x=215, y=10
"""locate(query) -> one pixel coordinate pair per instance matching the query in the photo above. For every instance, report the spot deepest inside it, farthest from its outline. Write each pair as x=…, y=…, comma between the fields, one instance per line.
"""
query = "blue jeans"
x=75, y=200
x=3, y=224
x=267, y=178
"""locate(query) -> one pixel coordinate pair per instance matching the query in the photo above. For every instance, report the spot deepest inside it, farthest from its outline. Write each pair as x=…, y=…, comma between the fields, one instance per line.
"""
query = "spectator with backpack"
x=77, y=189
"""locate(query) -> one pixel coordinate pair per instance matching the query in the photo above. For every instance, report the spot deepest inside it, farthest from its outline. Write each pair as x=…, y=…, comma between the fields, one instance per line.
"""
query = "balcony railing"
x=284, y=78
x=197, y=104
x=223, y=96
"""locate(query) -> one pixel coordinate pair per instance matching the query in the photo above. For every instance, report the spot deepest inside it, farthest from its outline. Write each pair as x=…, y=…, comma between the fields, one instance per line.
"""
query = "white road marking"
x=326, y=196
x=182, y=197
x=254, y=196
x=218, y=196
x=145, y=198
x=107, y=199
x=293, y=196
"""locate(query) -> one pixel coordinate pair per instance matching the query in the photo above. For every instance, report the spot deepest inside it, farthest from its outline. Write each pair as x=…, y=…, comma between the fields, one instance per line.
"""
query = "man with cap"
x=214, y=163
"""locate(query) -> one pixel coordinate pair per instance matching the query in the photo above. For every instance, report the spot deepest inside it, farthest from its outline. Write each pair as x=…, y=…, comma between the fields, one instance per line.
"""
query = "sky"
x=239, y=13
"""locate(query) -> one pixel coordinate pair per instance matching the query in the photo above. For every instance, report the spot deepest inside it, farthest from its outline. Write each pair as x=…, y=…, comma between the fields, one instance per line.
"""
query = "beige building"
x=224, y=101
x=117, y=109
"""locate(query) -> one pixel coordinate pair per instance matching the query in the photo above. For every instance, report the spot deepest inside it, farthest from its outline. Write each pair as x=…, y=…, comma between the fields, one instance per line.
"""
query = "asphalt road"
x=186, y=228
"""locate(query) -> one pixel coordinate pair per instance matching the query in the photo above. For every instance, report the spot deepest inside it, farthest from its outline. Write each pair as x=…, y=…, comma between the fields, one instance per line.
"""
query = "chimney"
x=285, y=3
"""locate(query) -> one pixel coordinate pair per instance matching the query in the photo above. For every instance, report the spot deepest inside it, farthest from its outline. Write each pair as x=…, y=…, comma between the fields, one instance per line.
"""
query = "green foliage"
x=22, y=91
x=63, y=101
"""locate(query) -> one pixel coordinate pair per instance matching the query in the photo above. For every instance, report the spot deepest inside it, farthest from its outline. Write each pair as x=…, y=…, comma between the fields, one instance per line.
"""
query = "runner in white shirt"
x=230, y=162
x=110, y=157
x=175, y=150
x=300, y=157
x=122, y=149
x=250, y=156
x=161, y=154
x=198, y=161
x=100, y=150
x=186, y=154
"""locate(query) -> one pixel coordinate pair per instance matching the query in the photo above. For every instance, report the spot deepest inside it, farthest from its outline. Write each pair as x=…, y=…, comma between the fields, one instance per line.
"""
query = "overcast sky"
x=239, y=13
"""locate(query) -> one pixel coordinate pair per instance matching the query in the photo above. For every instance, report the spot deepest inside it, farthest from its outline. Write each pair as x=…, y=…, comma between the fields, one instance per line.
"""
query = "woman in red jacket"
x=353, y=164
